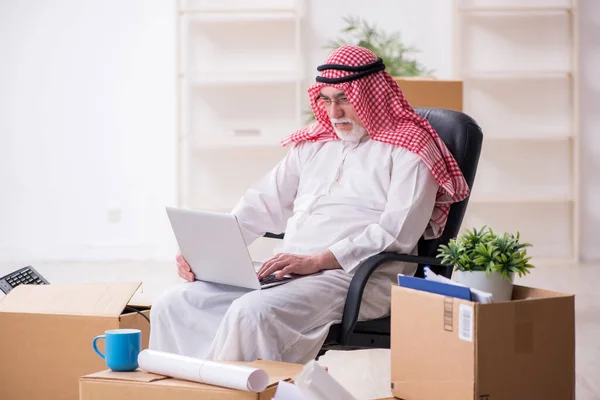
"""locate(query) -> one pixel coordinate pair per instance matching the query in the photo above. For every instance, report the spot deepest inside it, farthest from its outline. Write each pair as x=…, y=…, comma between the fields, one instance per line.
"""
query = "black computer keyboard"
x=24, y=276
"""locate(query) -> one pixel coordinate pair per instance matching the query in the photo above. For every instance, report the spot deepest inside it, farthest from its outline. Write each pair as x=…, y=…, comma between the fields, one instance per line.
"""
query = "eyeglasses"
x=325, y=103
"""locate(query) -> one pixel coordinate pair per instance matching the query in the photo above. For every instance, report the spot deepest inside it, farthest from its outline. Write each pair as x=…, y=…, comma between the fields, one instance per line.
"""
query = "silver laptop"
x=213, y=245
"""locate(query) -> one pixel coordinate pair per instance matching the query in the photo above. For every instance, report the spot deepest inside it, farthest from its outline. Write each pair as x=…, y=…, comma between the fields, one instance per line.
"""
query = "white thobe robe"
x=355, y=199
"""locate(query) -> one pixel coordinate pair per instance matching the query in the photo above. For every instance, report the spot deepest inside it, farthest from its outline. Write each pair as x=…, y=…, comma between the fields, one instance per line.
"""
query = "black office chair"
x=463, y=137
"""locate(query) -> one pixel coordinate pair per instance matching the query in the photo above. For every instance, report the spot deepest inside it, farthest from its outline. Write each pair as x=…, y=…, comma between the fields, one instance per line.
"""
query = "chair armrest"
x=359, y=281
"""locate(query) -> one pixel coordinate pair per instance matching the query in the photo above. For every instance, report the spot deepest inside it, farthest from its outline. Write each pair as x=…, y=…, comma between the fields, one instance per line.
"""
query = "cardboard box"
x=452, y=349
x=47, y=331
x=139, y=385
x=430, y=92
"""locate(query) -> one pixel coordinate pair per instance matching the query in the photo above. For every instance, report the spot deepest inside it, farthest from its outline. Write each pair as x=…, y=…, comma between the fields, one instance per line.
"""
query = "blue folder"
x=443, y=289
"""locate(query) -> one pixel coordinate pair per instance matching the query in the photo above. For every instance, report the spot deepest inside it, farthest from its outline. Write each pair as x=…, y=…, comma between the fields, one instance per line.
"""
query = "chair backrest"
x=463, y=137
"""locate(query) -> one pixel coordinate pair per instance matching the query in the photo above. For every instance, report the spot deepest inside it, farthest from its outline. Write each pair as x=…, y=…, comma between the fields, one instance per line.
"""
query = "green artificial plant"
x=395, y=55
x=484, y=250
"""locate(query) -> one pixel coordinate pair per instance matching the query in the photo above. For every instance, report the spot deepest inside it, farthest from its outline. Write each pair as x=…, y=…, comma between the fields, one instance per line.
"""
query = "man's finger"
x=268, y=270
x=268, y=264
x=264, y=267
x=283, y=257
x=287, y=270
x=183, y=273
x=188, y=276
x=279, y=257
x=181, y=262
x=273, y=268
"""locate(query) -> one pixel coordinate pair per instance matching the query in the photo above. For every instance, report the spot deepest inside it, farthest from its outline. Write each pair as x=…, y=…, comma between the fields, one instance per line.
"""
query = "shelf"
x=247, y=78
x=238, y=16
x=233, y=54
x=506, y=47
x=515, y=75
x=545, y=261
x=552, y=137
x=518, y=62
x=242, y=152
x=515, y=9
x=241, y=65
x=243, y=132
x=239, y=5
x=489, y=199
x=237, y=144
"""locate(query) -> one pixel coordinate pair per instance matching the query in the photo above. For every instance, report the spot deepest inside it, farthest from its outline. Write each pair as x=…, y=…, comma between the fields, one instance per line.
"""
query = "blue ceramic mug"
x=122, y=347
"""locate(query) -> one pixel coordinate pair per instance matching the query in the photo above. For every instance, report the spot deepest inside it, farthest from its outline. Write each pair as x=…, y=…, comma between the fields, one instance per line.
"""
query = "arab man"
x=368, y=176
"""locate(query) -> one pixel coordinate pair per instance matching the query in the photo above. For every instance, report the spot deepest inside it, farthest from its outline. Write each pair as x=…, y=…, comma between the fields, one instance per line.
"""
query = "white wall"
x=87, y=129
x=87, y=117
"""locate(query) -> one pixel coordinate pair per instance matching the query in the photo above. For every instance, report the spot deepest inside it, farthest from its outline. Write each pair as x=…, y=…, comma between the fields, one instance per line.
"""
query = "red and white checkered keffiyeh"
x=388, y=118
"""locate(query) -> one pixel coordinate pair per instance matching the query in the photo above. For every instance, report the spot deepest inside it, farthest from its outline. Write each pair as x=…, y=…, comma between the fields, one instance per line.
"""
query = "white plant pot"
x=500, y=288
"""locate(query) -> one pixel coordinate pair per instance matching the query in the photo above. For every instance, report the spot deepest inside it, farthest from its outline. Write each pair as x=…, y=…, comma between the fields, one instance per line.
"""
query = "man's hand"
x=183, y=269
x=298, y=264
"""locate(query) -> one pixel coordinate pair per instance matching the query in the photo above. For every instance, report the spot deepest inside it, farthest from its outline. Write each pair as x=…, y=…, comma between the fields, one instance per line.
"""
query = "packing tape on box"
x=203, y=371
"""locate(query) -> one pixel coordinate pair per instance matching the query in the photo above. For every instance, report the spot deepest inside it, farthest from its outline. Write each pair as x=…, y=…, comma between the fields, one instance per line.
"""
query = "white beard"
x=354, y=135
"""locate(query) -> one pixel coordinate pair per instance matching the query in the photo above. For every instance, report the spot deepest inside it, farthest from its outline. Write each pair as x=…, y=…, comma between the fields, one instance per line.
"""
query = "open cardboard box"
x=144, y=386
x=431, y=92
x=453, y=349
x=46, y=334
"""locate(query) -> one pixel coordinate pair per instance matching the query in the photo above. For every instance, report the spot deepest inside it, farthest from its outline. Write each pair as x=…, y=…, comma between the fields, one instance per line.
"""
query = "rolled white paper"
x=316, y=384
x=211, y=372
x=288, y=391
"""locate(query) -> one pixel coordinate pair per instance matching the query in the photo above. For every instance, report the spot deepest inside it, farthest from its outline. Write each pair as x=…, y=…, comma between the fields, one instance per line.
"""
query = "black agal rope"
x=361, y=70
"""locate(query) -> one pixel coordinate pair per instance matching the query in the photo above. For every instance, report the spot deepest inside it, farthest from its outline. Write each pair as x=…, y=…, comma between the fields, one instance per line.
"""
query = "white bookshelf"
x=240, y=91
x=521, y=199
x=512, y=5
x=518, y=61
x=533, y=137
x=515, y=9
x=516, y=75
x=237, y=6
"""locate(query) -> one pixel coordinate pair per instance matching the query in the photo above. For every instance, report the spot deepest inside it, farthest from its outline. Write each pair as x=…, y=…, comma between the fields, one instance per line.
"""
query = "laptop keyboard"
x=272, y=279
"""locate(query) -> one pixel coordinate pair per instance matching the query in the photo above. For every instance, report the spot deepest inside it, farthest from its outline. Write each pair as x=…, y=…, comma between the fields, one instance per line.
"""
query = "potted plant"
x=487, y=261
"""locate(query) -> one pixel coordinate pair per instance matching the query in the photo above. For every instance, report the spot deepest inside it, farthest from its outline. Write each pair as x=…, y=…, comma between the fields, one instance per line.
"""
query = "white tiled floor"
x=365, y=373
